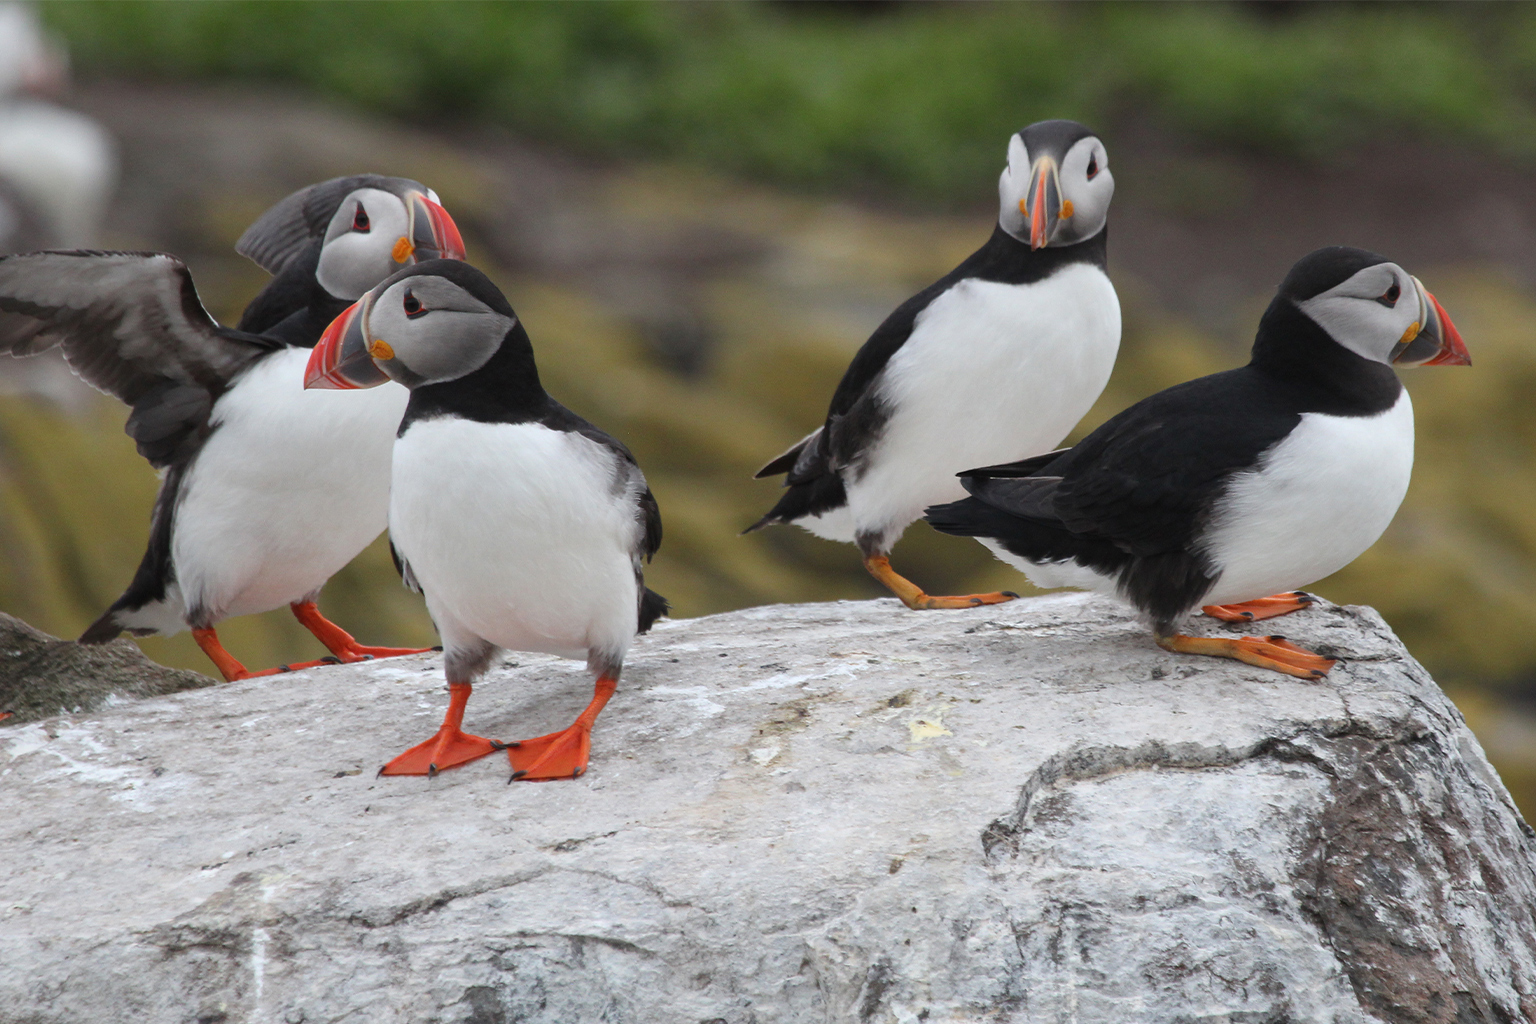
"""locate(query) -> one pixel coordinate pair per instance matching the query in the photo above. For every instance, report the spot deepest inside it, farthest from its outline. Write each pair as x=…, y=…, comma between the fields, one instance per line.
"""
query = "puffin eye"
x=360, y=219
x=1093, y=166
x=413, y=308
x=1389, y=297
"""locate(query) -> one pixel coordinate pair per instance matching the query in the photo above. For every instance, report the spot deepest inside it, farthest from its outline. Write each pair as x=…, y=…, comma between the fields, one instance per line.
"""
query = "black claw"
x=498, y=745
x=975, y=601
x=1302, y=595
x=431, y=771
x=1009, y=593
x=367, y=657
x=285, y=668
x=380, y=773
x=330, y=659
x=516, y=775
x=514, y=743
x=1247, y=616
x=578, y=773
x=438, y=649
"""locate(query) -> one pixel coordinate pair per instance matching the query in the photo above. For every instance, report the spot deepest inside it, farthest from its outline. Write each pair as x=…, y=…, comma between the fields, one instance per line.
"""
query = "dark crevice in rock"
x=1381, y=881
x=1084, y=763
x=1381, y=875
x=390, y=916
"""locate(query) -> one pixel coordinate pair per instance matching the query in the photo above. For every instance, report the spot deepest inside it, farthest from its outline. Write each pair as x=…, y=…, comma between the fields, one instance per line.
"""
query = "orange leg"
x=6, y=714
x=450, y=747
x=1271, y=652
x=563, y=754
x=1263, y=608
x=879, y=567
x=338, y=641
x=208, y=640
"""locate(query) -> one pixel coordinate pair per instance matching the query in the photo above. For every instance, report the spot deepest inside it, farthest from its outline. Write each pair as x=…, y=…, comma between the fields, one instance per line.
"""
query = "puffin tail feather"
x=652, y=607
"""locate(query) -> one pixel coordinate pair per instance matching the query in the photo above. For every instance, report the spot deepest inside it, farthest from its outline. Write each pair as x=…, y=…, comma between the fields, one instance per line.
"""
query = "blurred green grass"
x=905, y=99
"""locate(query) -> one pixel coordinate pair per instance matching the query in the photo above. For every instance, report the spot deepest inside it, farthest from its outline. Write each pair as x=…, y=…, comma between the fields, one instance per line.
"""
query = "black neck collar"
x=1007, y=260
x=505, y=390
x=1292, y=347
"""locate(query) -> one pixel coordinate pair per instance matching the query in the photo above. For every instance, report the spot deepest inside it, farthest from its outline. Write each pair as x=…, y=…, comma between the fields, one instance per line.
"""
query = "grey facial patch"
x=1354, y=317
x=449, y=334
x=353, y=260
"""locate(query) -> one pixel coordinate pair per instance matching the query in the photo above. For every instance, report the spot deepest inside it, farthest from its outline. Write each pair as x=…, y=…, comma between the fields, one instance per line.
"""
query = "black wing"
x=1146, y=480
x=294, y=307
x=857, y=412
x=284, y=232
x=130, y=324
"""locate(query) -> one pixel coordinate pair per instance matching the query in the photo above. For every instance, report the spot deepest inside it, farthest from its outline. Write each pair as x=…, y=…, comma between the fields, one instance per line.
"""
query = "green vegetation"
x=911, y=99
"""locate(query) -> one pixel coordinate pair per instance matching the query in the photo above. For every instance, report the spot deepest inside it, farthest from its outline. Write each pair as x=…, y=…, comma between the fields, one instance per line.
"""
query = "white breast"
x=289, y=488
x=1319, y=499
x=992, y=373
x=519, y=535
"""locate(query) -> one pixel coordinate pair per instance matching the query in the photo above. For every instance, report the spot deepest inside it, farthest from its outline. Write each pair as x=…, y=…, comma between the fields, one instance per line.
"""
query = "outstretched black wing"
x=130, y=324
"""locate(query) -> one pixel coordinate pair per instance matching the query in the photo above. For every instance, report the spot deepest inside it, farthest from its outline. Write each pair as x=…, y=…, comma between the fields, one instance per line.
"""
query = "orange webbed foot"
x=362, y=652
x=912, y=595
x=563, y=754
x=229, y=666
x=1262, y=608
x=448, y=749
x=339, y=642
x=927, y=601
x=556, y=755
x=1272, y=652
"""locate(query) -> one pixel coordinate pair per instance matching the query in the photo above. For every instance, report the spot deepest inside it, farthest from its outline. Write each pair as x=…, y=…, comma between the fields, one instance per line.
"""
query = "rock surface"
x=41, y=675
x=841, y=812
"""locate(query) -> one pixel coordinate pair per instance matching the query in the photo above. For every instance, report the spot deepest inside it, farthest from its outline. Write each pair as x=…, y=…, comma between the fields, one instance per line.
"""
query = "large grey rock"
x=41, y=675
x=843, y=812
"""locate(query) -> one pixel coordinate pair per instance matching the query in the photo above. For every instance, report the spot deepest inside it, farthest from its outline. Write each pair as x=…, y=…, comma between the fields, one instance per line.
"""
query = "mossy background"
x=849, y=153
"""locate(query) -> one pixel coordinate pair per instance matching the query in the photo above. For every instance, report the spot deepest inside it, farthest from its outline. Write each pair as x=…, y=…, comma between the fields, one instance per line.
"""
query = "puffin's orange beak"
x=340, y=360
x=434, y=235
x=1042, y=202
x=1438, y=342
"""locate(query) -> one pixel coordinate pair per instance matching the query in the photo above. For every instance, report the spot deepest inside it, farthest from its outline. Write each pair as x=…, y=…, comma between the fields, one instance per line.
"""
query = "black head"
x=1343, y=316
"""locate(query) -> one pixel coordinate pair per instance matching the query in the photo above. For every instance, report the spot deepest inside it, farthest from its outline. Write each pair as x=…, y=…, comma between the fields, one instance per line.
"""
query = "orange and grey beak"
x=433, y=234
x=341, y=360
x=1042, y=205
x=1437, y=341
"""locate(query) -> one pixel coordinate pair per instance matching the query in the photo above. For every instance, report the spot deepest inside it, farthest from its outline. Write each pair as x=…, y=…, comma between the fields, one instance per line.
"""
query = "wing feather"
x=128, y=322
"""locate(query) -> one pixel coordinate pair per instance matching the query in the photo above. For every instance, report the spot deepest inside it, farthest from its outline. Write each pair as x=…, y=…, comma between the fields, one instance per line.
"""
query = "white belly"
x=519, y=535
x=1321, y=497
x=289, y=488
x=992, y=373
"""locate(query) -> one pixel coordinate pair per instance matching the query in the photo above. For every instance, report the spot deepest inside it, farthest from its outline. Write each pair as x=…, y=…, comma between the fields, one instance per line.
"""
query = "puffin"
x=1230, y=488
x=997, y=360
x=524, y=526
x=267, y=490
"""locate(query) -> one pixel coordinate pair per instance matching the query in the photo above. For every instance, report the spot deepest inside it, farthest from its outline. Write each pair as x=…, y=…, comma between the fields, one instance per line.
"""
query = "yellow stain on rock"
x=928, y=725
